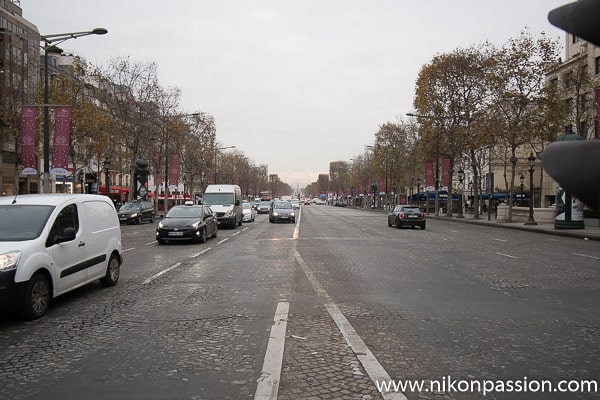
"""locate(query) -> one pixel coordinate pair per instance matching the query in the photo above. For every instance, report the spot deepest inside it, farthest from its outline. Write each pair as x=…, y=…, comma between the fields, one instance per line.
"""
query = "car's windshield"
x=247, y=206
x=282, y=204
x=22, y=222
x=265, y=204
x=185, y=212
x=222, y=199
x=130, y=207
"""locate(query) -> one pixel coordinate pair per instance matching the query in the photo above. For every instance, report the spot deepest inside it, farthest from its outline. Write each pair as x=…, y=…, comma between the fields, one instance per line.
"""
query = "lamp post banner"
x=445, y=172
x=62, y=133
x=28, y=114
x=597, y=93
x=174, y=171
x=429, y=173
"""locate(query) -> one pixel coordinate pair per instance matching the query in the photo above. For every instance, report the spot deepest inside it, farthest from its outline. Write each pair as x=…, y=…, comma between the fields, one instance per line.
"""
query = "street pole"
x=48, y=40
x=531, y=161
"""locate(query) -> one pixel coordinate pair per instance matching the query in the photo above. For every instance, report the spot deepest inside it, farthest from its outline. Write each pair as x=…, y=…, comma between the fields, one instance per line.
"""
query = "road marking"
x=237, y=233
x=129, y=249
x=164, y=271
x=297, y=228
x=507, y=255
x=268, y=383
x=202, y=252
x=151, y=243
x=222, y=241
x=586, y=256
x=372, y=366
x=500, y=240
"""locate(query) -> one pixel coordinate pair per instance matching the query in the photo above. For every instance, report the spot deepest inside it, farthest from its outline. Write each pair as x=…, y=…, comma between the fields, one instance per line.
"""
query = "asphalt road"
x=326, y=308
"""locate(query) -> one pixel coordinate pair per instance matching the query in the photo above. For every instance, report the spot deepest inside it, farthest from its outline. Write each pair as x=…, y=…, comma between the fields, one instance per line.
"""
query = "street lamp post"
x=522, y=180
x=216, y=152
x=461, y=177
x=531, y=161
x=48, y=41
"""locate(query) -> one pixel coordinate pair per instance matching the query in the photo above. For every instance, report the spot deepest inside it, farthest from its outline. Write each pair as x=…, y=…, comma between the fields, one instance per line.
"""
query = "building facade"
x=19, y=80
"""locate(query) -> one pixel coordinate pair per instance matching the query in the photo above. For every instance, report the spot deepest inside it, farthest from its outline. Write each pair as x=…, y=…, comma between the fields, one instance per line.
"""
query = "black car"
x=263, y=207
x=136, y=212
x=405, y=215
x=192, y=222
x=282, y=211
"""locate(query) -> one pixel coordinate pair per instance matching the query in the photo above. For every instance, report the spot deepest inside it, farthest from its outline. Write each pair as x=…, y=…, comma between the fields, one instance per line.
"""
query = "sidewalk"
x=590, y=232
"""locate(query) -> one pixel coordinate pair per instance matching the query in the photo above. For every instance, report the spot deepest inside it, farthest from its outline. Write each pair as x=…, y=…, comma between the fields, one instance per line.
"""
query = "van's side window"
x=67, y=218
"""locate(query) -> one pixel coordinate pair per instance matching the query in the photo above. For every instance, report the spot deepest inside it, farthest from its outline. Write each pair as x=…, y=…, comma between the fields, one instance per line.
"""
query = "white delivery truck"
x=226, y=203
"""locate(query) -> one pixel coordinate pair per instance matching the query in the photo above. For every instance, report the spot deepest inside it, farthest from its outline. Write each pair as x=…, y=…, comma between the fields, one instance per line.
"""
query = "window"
x=597, y=62
x=67, y=218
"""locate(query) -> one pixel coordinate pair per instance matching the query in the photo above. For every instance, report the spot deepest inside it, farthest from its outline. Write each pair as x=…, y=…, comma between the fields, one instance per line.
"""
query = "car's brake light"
x=423, y=215
x=401, y=215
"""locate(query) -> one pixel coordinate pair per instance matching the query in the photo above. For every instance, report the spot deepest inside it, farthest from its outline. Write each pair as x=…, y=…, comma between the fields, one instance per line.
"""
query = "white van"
x=226, y=202
x=53, y=243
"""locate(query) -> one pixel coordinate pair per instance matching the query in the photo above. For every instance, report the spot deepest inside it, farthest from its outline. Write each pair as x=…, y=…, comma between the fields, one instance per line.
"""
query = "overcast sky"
x=292, y=84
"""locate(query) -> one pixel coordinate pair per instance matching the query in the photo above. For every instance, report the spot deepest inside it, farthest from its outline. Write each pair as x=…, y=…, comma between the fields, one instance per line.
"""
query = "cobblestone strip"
x=326, y=357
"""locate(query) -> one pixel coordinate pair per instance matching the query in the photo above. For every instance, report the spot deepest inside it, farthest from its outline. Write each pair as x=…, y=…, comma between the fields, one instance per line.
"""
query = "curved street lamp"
x=50, y=42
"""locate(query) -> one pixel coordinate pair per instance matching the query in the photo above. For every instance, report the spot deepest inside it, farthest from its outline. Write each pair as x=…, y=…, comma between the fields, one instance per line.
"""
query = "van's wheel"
x=112, y=272
x=37, y=298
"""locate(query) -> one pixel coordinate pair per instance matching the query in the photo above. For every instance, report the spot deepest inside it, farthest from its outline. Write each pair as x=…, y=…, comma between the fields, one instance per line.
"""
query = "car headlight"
x=292, y=214
x=196, y=225
x=9, y=261
x=275, y=213
x=134, y=215
x=229, y=213
x=160, y=225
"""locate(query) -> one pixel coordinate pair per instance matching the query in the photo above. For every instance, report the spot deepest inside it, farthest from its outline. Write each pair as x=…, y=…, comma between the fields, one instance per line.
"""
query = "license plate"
x=413, y=216
x=175, y=233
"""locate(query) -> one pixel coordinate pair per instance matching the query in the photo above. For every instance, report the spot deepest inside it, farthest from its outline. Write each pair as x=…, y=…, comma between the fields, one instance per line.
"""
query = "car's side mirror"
x=66, y=235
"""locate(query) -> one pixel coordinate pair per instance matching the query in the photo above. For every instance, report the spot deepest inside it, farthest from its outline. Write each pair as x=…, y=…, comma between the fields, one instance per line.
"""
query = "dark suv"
x=136, y=212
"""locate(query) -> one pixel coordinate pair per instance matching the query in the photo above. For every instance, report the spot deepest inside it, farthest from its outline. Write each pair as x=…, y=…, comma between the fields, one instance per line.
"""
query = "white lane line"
x=506, y=255
x=581, y=255
x=222, y=241
x=268, y=383
x=237, y=233
x=297, y=228
x=368, y=360
x=500, y=240
x=151, y=243
x=126, y=250
x=202, y=252
x=164, y=271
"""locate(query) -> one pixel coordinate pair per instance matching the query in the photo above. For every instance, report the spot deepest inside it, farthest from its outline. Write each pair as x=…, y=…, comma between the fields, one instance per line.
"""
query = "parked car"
x=405, y=215
x=136, y=212
x=194, y=223
x=264, y=207
x=282, y=211
x=248, y=212
x=51, y=244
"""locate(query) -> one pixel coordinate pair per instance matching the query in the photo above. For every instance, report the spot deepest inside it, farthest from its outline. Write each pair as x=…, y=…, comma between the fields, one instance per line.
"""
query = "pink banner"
x=429, y=174
x=445, y=172
x=174, y=171
x=62, y=134
x=28, y=162
x=158, y=178
x=597, y=92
